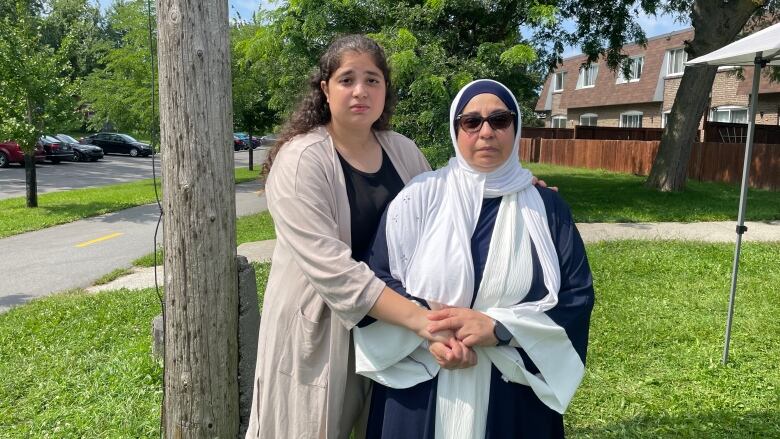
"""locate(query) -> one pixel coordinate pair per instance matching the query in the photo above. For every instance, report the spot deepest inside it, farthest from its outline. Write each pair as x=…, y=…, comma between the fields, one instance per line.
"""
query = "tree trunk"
x=30, y=175
x=201, y=291
x=31, y=179
x=715, y=24
x=251, y=150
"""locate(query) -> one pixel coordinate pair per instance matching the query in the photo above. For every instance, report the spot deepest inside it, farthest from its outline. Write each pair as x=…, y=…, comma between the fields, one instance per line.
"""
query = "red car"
x=10, y=152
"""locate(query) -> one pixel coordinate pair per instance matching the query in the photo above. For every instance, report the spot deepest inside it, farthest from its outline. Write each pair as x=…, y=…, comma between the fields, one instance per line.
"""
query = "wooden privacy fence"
x=616, y=133
x=721, y=162
x=547, y=133
x=737, y=132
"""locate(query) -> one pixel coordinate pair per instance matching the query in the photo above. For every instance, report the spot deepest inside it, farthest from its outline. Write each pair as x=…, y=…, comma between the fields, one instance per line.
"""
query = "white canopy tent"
x=759, y=49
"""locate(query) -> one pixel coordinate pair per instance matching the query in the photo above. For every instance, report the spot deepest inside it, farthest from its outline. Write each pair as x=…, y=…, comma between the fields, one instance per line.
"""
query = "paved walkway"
x=722, y=231
x=718, y=231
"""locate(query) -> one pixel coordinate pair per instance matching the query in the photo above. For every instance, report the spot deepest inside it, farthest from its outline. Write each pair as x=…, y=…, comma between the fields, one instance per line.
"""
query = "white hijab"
x=436, y=231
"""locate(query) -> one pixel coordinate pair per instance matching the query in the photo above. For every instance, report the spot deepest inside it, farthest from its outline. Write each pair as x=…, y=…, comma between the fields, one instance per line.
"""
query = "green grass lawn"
x=657, y=338
x=602, y=196
x=67, y=206
x=79, y=365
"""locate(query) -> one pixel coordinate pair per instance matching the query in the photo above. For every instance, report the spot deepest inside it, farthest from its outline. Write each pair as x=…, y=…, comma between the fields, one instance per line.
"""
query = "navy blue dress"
x=514, y=411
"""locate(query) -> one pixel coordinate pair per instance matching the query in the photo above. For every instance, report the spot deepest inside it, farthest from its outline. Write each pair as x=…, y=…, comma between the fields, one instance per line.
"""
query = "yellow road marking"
x=102, y=238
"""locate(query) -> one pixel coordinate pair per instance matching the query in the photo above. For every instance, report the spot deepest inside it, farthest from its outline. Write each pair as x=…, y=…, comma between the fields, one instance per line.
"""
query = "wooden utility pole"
x=201, y=286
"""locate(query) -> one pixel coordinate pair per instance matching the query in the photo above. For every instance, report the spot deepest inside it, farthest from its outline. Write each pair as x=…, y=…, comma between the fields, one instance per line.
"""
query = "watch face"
x=502, y=334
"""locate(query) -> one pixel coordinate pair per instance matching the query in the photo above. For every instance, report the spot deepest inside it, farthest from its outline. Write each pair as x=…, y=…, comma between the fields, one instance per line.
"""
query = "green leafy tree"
x=434, y=48
x=120, y=93
x=33, y=83
x=76, y=29
x=250, y=94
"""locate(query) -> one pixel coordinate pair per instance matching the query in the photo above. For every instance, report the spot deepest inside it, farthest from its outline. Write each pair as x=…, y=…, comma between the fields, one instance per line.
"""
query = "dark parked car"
x=81, y=152
x=238, y=143
x=10, y=152
x=56, y=151
x=114, y=143
x=244, y=137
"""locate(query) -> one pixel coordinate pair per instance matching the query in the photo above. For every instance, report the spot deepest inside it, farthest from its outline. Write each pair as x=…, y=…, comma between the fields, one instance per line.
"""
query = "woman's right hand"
x=453, y=355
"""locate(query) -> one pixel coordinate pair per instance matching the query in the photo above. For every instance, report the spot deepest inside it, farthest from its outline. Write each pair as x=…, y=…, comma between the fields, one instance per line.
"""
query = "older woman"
x=504, y=265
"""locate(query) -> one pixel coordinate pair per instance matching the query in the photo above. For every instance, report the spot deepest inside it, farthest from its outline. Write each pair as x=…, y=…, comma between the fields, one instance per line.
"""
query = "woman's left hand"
x=471, y=327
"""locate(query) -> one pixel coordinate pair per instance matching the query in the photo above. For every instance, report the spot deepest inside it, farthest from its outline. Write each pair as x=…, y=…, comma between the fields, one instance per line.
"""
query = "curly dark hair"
x=313, y=110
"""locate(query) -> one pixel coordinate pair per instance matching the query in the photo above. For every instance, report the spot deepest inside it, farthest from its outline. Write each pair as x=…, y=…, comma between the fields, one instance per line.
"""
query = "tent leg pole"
x=759, y=63
x=734, y=272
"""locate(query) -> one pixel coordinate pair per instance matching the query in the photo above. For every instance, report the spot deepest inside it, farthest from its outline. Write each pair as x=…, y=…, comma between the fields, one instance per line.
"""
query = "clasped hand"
x=456, y=331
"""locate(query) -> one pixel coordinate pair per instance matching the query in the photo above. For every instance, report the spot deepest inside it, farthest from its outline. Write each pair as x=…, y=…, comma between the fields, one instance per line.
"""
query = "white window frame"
x=637, y=65
x=731, y=109
x=590, y=73
x=665, y=118
x=557, y=119
x=558, y=79
x=674, y=53
x=589, y=116
x=631, y=114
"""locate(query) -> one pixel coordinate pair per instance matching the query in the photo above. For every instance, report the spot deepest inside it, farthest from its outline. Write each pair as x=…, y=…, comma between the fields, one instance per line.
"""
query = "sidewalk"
x=722, y=231
x=143, y=277
x=717, y=231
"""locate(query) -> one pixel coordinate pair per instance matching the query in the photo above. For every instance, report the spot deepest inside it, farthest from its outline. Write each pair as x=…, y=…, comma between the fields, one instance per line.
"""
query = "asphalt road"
x=74, y=255
x=112, y=169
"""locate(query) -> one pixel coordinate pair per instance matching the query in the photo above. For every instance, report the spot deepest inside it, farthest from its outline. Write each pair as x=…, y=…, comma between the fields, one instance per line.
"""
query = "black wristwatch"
x=501, y=333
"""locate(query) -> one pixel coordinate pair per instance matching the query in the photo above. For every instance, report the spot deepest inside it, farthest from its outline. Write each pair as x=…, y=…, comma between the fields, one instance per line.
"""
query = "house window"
x=631, y=119
x=676, y=62
x=558, y=122
x=558, y=81
x=589, y=119
x=665, y=118
x=635, y=70
x=588, y=76
x=729, y=114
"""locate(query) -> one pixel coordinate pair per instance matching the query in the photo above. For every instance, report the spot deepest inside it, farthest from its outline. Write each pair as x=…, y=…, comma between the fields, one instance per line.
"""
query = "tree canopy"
x=119, y=93
x=434, y=47
x=33, y=84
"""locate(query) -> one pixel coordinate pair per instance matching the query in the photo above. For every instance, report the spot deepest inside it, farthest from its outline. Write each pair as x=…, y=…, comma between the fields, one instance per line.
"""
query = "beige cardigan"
x=305, y=381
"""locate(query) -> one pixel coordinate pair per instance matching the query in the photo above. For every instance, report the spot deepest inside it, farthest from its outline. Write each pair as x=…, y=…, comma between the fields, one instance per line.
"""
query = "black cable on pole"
x=153, y=133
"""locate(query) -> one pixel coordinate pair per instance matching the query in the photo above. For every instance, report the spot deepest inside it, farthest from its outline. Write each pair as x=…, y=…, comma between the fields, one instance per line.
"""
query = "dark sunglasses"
x=471, y=123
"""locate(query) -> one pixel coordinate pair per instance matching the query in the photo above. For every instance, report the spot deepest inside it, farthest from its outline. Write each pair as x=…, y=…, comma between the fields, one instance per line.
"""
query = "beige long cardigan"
x=305, y=384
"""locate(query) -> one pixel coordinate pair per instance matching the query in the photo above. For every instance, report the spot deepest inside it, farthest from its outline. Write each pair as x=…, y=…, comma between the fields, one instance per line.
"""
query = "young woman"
x=504, y=266
x=336, y=167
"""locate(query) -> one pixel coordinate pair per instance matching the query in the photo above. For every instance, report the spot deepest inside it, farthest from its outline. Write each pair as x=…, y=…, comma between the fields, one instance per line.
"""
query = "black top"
x=368, y=194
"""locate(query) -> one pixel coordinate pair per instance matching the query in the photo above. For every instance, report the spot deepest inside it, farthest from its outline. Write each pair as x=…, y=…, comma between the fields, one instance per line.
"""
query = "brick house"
x=573, y=95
